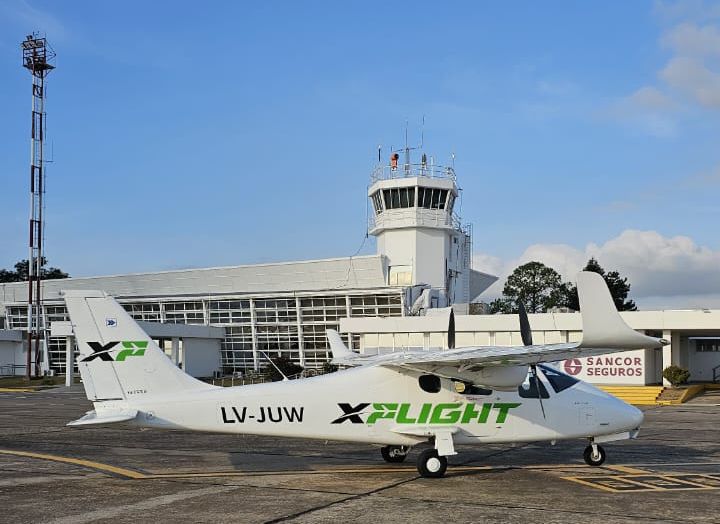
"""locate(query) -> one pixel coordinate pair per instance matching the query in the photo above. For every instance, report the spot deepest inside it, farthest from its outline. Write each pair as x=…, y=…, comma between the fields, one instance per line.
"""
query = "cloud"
x=691, y=40
x=696, y=10
x=665, y=272
x=691, y=77
x=647, y=109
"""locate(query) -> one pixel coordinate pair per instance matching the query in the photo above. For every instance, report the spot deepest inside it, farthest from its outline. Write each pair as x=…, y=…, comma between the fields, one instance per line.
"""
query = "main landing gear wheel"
x=594, y=457
x=394, y=454
x=431, y=465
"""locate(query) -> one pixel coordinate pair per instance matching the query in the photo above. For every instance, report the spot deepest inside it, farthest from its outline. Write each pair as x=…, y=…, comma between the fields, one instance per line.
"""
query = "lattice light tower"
x=37, y=55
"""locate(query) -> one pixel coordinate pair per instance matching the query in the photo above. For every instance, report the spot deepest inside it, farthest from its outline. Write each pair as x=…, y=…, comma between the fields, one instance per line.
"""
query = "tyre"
x=431, y=465
x=394, y=454
x=594, y=459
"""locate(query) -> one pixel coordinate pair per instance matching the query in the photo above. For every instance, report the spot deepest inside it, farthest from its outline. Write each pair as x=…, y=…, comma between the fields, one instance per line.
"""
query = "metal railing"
x=716, y=373
x=412, y=170
x=421, y=216
x=12, y=370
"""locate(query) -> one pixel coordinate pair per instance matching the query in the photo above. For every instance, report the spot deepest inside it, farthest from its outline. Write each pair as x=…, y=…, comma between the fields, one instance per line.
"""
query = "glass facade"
x=293, y=327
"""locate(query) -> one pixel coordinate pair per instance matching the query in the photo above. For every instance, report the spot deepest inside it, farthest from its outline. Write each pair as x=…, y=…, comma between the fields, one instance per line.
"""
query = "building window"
x=229, y=311
x=376, y=306
x=432, y=198
x=184, y=313
x=377, y=202
x=277, y=311
x=707, y=345
x=323, y=309
x=236, y=350
x=145, y=311
x=56, y=354
x=398, y=198
x=400, y=276
x=17, y=317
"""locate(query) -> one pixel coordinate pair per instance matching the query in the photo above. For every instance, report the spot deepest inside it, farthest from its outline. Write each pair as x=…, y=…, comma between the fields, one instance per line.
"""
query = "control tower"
x=426, y=248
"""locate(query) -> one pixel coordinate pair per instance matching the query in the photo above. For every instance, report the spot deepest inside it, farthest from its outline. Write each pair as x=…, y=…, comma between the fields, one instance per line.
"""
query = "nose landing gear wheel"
x=594, y=457
x=431, y=465
x=394, y=454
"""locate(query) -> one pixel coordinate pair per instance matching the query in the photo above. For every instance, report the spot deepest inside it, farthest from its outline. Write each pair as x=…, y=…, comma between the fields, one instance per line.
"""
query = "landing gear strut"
x=394, y=454
x=431, y=465
x=594, y=455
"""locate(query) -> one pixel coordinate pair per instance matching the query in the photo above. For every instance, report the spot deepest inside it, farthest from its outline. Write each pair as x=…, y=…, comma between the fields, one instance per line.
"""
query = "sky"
x=196, y=134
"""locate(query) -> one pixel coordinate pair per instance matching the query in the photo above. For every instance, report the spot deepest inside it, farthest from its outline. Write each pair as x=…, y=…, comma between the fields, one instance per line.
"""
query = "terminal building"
x=423, y=260
x=232, y=319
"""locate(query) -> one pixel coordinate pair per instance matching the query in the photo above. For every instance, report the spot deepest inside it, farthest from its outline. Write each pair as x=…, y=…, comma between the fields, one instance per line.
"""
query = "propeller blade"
x=451, y=331
x=537, y=388
x=525, y=331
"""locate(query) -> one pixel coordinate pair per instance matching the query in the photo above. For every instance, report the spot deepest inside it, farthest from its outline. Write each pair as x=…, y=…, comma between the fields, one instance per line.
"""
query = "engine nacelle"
x=501, y=378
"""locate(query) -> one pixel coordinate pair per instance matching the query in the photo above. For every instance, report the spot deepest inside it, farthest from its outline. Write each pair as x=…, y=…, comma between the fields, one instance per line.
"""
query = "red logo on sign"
x=572, y=366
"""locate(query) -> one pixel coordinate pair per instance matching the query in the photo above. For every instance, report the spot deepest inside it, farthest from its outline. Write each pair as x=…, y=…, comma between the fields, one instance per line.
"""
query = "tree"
x=619, y=288
x=501, y=305
x=538, y=286
x=21, y=272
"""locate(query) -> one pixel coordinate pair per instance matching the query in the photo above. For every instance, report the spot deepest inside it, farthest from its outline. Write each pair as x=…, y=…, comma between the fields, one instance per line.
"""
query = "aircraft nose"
x=632, y=416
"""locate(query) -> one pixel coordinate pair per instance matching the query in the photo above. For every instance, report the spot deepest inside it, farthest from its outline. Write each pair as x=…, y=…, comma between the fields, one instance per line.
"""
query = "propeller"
x=451, y=330
x=526, y=334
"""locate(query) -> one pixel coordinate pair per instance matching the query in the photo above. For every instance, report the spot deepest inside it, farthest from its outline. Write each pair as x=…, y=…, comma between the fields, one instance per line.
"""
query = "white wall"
x=201, y=357
x=11, y=353
x=700, y=364
x=628, y=367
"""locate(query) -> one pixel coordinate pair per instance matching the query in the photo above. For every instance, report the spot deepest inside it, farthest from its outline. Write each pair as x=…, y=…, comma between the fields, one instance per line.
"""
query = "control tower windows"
x=432, y=198
x=397, y=198
x=377, y=202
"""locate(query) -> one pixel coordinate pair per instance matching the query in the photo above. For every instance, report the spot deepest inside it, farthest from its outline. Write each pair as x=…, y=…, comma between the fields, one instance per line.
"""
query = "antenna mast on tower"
x=36, y=56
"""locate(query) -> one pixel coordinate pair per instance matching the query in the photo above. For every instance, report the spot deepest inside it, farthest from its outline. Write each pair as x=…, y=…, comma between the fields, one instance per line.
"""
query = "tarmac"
x=51, y=473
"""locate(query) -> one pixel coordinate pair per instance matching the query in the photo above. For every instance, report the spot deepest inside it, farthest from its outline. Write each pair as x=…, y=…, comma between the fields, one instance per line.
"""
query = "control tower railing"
x=418, y=217
x=412, y=170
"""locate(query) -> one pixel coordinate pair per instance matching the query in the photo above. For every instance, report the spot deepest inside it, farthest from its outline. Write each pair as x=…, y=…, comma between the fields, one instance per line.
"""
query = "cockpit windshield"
x=558, y=380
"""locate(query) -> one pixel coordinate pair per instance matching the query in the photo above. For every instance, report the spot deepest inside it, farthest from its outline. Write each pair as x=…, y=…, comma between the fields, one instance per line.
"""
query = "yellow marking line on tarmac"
x=99, y=466
x=605, y=483
x=628, y=470
x=591, y=484
x=131, y=474
x=16, y=390
x=601, y=482
x=332, y=471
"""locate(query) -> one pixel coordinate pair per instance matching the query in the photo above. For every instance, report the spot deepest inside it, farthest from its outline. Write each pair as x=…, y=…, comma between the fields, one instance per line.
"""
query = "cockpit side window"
x=559, y=381
x=532, y=388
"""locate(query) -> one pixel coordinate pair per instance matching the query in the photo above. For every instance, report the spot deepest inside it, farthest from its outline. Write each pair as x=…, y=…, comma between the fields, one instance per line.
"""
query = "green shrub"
x=676, y=375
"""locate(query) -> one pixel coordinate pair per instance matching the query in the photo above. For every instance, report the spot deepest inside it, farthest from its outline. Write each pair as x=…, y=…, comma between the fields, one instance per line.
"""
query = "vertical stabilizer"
x=118, y=361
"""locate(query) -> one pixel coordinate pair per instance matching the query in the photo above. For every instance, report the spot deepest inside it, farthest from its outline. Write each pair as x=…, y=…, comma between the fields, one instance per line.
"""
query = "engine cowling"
x=501, y=378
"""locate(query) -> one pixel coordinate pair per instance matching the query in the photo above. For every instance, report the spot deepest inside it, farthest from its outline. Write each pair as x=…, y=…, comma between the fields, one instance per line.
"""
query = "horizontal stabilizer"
x=92, y=418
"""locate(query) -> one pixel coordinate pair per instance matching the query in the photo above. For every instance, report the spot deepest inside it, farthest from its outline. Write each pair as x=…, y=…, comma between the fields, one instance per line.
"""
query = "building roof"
x=364, y=272
x=691, y=319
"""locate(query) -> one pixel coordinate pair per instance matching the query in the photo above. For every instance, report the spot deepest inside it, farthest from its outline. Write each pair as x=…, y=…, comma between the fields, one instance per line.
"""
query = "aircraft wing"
x=604, y=331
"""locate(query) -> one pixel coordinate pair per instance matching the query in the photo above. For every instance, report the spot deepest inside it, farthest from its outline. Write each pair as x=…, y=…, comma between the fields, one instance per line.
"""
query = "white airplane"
x=438, y=398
